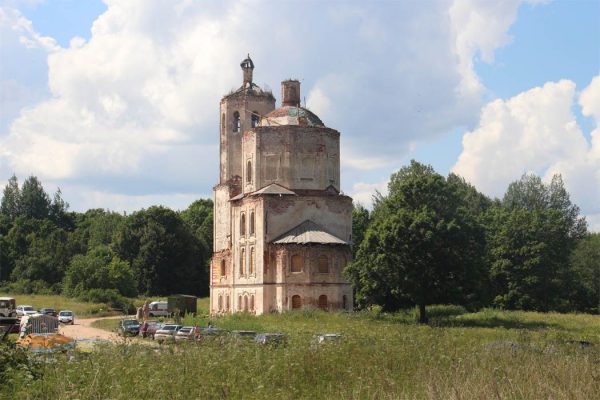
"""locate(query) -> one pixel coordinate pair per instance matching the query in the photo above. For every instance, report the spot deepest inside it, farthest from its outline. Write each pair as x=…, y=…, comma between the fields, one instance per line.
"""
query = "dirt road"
x=82, y=329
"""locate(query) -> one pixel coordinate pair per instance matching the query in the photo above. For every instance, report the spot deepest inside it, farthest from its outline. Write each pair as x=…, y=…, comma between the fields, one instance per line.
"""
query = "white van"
x=158, y=309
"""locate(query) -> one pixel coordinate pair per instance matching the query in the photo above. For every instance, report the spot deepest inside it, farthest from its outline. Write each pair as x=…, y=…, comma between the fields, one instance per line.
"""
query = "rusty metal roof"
x=291, y=115
x=238, y=197
x=306, y=233
x=273, y=188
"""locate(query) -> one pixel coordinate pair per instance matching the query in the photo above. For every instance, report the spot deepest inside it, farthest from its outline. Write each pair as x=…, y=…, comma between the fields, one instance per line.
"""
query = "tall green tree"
x=360, y=222
x=58, y=212
x=423, y=246
x=199, y=218
x=100, y=268
x=11, y=199
x=585, y=262
x=532, y=235
x=44, y=251
x=163, y=252
x=35, y=202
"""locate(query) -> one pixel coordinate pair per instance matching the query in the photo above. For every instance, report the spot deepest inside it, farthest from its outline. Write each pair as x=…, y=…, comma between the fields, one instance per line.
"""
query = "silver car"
x=66, y=317
x=167, y=332
x=25, y=310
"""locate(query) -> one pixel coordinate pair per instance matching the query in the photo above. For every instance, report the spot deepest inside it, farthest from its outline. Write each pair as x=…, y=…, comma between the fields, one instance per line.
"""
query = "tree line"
x=435, y=239
x=430, y=240
x=100, y=255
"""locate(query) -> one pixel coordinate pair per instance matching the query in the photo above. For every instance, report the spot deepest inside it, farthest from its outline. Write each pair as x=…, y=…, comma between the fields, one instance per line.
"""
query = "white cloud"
x=363, y=193
x=23, y=54
x=137, y=103
x=536, y=131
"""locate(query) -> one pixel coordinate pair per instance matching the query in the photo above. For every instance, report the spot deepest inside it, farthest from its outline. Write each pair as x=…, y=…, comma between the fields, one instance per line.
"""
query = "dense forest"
x=430, y=240
x=100, y=255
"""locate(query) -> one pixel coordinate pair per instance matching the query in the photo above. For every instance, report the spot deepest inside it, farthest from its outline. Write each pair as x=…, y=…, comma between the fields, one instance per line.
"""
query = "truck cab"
x=8, y=307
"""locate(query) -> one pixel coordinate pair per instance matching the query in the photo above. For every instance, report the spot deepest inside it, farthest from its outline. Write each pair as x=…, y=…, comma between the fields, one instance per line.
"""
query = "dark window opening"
x=296, y=302
x=323, y=265
x=255, y=119
x=249, y=172
x=323, y=302
x=237, y=122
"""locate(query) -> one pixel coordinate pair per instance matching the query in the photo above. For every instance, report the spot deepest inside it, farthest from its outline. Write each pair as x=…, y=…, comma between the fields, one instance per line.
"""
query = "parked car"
x=167, y=332
x=66, y=317
x=149, y=328
x=25, y=310
x=129, y=327
x=8, y=307
x=159, y=309
x=247, y=335
x=210, y=333
x=48, y=311
x=327, y=337
x=272, y=339
x=187, y=333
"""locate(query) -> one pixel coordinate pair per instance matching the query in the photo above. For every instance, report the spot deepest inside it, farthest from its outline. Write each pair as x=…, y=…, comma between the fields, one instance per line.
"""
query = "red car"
x=149, y=328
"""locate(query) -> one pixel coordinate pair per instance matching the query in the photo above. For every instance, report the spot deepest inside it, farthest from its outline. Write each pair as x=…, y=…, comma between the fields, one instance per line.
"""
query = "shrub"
x=16, y=367
x=26, y=286
x=110, y=297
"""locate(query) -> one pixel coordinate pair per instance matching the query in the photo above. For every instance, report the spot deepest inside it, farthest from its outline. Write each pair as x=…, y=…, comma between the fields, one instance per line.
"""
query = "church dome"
x=291, y=115
x=290, y=112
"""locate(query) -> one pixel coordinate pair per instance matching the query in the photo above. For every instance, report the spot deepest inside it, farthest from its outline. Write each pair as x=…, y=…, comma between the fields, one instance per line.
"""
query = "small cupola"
x=290, y=93
x=247, y=69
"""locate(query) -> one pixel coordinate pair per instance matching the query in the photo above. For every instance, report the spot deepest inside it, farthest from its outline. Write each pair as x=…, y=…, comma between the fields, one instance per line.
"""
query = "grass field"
x=486, y=355
x=61, y=303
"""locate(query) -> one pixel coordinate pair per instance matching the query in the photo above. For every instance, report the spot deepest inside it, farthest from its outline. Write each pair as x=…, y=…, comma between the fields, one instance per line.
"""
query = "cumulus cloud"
x=134, y=109
x=23, y=67
x=536, y=131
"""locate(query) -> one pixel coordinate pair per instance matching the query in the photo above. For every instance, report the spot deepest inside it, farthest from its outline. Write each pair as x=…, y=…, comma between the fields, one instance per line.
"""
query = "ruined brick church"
x=282, y=229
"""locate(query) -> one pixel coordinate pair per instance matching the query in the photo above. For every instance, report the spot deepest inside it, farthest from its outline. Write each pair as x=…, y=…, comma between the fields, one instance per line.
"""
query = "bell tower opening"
x=247, y=68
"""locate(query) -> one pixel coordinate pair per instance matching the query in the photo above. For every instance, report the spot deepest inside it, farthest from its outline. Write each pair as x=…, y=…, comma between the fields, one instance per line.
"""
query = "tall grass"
x=486, y=355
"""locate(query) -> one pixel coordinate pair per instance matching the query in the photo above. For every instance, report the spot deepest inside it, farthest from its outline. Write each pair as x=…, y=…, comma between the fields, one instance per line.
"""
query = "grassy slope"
x=490, y=354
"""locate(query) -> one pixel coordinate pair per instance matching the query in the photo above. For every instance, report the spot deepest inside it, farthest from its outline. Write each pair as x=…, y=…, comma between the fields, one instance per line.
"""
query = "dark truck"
x=9, y=322
x=181, y=304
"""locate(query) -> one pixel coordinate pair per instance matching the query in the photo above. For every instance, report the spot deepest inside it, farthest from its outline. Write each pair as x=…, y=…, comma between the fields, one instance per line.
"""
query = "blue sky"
x=124, y=115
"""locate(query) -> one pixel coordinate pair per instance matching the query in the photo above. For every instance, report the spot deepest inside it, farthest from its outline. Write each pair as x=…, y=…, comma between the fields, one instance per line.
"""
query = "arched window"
x=220, y=303
x=252, y=303
x=344, y=302
x=323, y=264
x=323, y=302
x=240, y=303
x=243, y=262
x=252, y=223
x=255, y=119
x=237, y=123
x=222, y=268
x=296, y=263
x=227, y=302
x=246, y=303
x=223, y=122
x=243, y=224
x=252, y=260
x=249, y=172
x=296, y=302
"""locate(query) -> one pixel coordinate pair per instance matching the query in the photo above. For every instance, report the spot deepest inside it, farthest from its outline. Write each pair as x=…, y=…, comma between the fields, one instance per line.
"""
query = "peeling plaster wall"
x=231, y=142
x=333, y=212
x=295, y=157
